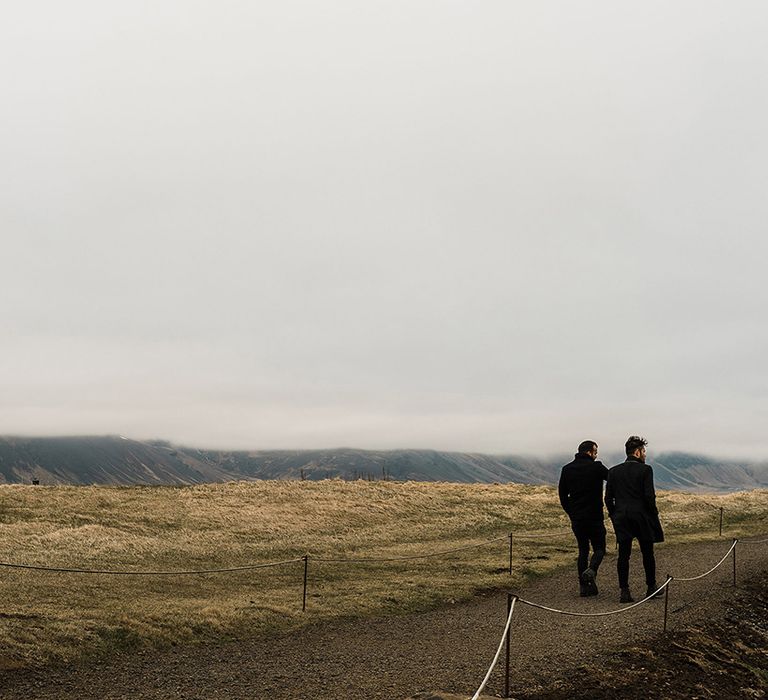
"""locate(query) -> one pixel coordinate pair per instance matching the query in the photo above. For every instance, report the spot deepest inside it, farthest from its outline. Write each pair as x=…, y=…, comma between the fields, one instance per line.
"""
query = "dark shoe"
x=653, y=592
x=588, y=580
x=584, y=590
x=626, y=596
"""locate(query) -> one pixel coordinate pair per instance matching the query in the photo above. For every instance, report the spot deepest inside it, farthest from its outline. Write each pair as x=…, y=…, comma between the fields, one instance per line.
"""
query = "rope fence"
x=511, y=537
x=249, y=567
x=367, y=560
x=707, y=573
x=665, y=587
x=753, y=541
x=512, y=599
x=504, y=638
x=692, y=517
x=114, y=572
x=596, y=614
x=543, y=535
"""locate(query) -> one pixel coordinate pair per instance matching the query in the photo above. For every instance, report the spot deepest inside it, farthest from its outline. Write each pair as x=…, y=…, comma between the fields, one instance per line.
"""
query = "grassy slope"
x=47, y=616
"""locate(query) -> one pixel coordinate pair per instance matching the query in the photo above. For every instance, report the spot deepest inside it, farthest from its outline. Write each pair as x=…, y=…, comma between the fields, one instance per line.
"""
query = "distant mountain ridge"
x=117, y=460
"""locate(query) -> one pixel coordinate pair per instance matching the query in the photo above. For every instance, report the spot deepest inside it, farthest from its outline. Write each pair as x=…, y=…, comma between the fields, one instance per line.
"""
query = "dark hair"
x=587, y=446
x=634, y=442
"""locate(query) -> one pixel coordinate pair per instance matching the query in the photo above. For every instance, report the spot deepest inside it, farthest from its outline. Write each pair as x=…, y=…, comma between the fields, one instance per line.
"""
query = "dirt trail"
x=394, y=657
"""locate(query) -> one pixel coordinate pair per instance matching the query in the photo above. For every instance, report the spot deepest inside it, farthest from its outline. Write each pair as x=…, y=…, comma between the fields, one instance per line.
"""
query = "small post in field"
x=666, y=602
x=510, y=553
x=721, y=521
x=306, y=566
x=734, y=561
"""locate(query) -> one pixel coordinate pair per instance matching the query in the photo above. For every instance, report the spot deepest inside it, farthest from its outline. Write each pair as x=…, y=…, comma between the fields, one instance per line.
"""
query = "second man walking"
x=581, y=495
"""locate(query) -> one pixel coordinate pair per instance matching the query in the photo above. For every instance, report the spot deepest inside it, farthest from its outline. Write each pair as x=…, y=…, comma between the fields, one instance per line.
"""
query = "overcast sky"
x=482, y=226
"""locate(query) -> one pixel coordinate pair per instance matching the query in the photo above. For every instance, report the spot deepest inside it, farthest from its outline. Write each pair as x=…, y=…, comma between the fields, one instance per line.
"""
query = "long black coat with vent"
x=631, y=501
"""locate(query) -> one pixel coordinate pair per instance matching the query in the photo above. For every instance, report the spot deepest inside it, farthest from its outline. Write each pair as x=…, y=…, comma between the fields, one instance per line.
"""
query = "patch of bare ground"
x=450, y=648
x=717, y=658
x=220, y=526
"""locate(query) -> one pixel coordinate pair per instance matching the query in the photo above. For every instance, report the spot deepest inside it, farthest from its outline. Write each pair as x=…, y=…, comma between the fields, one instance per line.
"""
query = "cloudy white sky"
x=489, y=226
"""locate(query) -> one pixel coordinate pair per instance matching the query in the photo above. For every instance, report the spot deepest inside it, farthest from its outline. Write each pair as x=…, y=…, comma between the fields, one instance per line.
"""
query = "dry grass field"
x=47, y=616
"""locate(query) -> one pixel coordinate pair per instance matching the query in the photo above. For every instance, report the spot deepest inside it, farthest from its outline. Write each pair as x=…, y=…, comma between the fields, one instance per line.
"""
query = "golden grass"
x=56, y=616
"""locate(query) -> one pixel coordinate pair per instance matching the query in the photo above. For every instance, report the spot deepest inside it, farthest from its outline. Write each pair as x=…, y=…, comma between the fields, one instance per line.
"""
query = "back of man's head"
x=587, y=447
x=634, y=442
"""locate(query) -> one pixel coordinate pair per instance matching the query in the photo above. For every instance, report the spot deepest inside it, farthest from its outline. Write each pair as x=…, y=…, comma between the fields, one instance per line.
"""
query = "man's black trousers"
x=649, y=562
x=589, y=532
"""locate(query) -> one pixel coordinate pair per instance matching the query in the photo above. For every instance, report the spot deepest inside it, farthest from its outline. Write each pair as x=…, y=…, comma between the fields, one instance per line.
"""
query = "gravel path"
x=448, y=649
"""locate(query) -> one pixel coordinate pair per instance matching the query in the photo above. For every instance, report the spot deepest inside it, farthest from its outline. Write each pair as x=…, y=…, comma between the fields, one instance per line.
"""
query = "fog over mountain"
x=117, y=460
x=477, y=227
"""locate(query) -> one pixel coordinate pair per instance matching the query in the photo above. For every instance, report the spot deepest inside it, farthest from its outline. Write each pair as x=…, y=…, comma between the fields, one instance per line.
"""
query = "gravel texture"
x=448, y=649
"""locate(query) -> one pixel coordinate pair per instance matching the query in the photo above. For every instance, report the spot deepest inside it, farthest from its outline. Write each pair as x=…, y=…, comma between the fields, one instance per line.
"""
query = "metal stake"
x=306, y=566
x=509, y=633
x=510, y=553
x=666, y=602
x=734, y=562
x=721, y=521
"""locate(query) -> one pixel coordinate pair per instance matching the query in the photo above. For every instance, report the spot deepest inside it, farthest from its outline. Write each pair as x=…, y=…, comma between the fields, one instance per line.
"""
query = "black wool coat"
x=631, y=501
x=581, y=488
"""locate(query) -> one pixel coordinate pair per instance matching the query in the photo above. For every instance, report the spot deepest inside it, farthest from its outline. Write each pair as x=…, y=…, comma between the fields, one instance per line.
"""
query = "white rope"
x=541, y=536
x=707, y=573
x=679, y=517
x=597, y=614
x=752, y=541
x=498, y=651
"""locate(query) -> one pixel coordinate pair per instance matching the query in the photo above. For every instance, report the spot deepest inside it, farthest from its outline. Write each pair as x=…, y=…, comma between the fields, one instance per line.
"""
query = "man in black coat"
x=631, y=501
x=581, y=495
